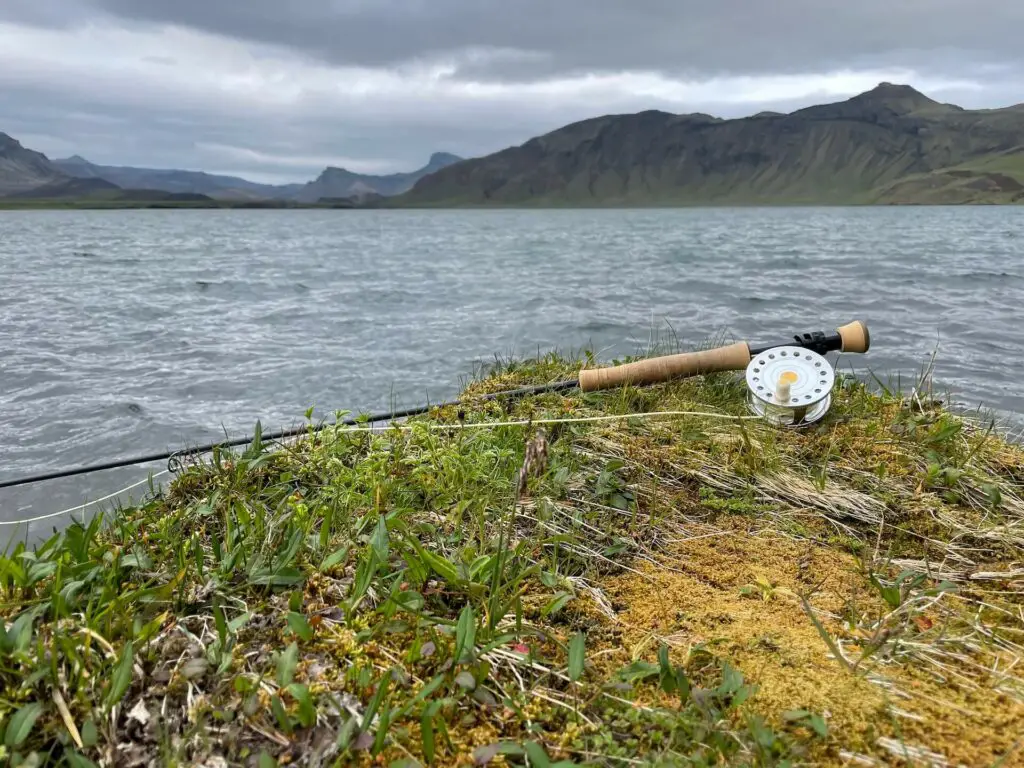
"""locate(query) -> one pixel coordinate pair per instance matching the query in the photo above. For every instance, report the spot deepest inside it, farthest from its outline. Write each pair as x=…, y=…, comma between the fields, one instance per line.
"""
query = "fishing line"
x=297, y=431
x=432, y=427
x=100, y=500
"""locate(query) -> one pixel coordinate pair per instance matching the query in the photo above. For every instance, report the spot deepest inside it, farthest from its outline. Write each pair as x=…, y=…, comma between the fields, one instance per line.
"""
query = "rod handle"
x=733, y=357
x=855, y=337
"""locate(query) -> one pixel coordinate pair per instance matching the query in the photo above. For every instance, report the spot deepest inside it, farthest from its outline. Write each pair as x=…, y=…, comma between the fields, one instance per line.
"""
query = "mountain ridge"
x=890, y=144
x=171, y=180
x=331, y=183
x=335, y=182
x=22, y=169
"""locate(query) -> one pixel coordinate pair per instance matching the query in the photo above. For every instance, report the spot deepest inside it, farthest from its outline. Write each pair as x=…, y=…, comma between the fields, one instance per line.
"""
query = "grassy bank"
x=691, y=588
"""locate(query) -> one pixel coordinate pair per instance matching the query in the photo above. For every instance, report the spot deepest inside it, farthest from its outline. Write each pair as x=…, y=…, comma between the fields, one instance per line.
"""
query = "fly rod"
x=852, y=337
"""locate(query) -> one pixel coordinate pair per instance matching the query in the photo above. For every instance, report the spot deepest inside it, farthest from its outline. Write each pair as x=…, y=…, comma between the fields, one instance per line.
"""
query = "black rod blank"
x=352, y=421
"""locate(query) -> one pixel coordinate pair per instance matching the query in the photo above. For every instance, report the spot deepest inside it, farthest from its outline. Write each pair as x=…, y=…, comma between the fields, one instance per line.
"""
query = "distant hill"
x=159, y=195
x=891, y=144
x=65, y=187
x=22, y=169
x=100, y=190
x=339, y=182
x=185, y=182
x=332, y=183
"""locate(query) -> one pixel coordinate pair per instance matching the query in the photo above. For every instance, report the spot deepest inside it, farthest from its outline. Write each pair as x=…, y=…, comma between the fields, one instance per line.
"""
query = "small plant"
x=765, y=589
x=737, y=504
x=611, y=488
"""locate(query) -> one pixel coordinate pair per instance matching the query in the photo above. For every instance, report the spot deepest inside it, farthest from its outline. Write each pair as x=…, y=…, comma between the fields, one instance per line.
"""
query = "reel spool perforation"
x=790, y=386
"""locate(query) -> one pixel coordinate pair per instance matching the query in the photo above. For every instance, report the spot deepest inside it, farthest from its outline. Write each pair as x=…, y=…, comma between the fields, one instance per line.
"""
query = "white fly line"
x=411, y=426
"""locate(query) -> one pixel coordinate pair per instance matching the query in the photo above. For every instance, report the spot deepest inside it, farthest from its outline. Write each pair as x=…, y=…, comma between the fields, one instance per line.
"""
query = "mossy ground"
x=670, y=590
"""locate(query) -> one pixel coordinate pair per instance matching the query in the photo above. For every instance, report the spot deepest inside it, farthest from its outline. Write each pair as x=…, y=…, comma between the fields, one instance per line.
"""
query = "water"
x=128, y=332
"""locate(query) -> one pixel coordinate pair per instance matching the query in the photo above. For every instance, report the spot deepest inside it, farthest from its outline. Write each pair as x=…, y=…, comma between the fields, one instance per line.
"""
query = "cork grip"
x=733, y=357
x=855, y=337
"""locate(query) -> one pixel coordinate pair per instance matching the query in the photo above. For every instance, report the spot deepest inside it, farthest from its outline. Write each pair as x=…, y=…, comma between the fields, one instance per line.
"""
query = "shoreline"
x=272, y=205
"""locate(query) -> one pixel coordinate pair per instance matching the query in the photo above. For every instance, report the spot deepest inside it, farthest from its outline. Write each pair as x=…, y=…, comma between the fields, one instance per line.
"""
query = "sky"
x=275, y=90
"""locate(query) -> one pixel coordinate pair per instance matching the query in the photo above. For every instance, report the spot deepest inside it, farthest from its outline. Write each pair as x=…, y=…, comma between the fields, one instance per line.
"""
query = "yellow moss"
x=691, y=597
x=969, y=727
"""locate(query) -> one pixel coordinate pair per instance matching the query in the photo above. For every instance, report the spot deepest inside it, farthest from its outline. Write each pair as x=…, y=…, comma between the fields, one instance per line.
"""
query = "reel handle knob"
x=782, y=389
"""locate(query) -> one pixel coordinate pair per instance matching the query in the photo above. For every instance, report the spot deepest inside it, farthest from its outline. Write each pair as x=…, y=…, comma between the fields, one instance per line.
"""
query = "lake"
x=127, y=332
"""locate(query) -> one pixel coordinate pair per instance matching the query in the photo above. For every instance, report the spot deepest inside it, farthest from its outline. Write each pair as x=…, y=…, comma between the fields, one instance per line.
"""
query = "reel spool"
x=790, y=386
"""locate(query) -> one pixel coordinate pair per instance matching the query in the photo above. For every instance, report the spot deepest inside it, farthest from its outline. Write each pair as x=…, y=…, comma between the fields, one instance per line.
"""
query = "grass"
x=670, y=590
x=1010, y=163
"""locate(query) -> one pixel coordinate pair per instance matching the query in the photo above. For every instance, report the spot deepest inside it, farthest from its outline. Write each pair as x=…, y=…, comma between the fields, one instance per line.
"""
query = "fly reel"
x=790, y=386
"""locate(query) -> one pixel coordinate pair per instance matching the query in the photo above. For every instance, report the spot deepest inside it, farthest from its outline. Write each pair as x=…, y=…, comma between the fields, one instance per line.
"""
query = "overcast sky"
x=275, y=90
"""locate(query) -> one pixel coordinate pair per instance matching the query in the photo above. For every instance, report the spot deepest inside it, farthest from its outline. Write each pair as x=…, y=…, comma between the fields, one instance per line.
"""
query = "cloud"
x=277, y=90
x=715, y=36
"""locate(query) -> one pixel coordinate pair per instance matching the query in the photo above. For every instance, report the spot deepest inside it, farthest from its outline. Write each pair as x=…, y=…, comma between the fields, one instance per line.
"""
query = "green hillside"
x=891, y=144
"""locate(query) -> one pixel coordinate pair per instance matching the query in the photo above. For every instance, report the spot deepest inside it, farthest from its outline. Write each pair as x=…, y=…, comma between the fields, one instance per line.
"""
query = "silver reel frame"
x=789, y=386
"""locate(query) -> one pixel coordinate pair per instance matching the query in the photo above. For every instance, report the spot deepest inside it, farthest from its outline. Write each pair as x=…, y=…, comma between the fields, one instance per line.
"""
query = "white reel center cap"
x=790, y=385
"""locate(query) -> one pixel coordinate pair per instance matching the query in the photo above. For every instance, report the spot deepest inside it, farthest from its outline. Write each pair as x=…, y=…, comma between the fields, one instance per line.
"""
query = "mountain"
x=29, y=178
x=891, y=144
x=102, y=192
x=175, y=181
x=68, y=187
x=332, y=183
x=22, y=169
x=339, y=182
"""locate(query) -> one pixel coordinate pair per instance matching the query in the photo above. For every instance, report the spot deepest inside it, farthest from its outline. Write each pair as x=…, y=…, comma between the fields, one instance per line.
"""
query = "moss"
x=742, y=504
x=693, y=589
